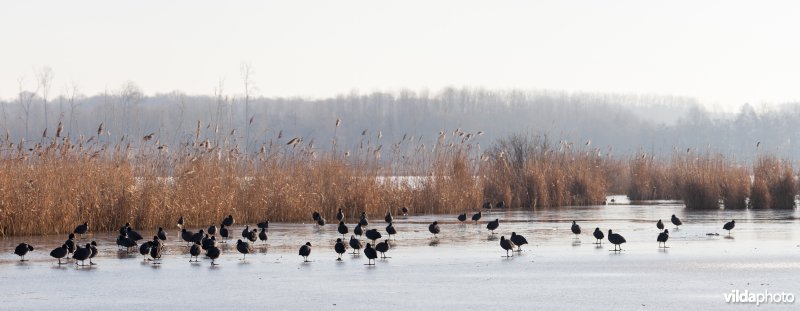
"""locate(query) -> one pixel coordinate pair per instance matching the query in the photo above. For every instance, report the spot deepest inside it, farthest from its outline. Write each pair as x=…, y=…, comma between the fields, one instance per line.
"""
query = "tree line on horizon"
x=614, y=124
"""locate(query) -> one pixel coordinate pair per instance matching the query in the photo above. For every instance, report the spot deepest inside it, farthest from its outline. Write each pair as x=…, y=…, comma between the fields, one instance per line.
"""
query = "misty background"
x=609, y=124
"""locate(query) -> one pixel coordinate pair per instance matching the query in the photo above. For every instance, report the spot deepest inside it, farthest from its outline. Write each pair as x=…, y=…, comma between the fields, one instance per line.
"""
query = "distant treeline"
x=614, y=124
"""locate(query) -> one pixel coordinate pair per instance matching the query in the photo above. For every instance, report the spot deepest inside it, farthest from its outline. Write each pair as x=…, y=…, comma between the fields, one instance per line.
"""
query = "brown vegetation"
x=57, y=184
x=773, y=184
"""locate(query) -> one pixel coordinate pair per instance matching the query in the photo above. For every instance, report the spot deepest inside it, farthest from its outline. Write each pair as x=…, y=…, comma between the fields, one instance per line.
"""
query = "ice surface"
x=463, y=269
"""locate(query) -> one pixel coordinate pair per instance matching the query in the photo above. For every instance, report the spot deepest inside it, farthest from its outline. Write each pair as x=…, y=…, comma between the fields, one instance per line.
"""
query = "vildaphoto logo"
x=736, y=296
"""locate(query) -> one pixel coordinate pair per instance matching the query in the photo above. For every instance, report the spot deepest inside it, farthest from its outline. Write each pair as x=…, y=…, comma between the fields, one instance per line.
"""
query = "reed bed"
x=53, y=185
x=530, y=172
x=774, y=184
x=650, y=178
x=706, y=181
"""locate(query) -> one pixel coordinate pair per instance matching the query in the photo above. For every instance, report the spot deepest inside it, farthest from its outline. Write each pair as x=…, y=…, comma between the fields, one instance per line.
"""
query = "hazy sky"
x=722, y=52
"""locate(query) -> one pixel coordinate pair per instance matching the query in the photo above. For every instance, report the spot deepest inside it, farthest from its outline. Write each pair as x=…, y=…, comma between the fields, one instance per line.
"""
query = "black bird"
x=161, y=234
x=263, y=225
x=120, y=241
x=213, y=253
x=391, y=230
x=404, y=210
x=204, y=242
x=729, y=226
x=133, y=235
x=212, y=230
x=194, y=252
x=82, y=254
x=340, y=248
x=124, y=229
x=355, y=244
x=383, y=247
x=476, y=217
x=180, y=222
x=388, y=218
x=315, y=215
x=373, y=235
x=208, y=243
x=676, y=221
x=506, y=245
x=253, y=237
x=126, y=242
x=492, y=225
x=198, y=237
x=228, y=221
x=462, y=217
x=662, y=238
x=321, y=221
x=434, y=228
x=246, y=232
x=144, y=249
x=487, y=205
x=58, y=253
x=223, y=232
x=358, y=231
x=342, y=229
x=518, y=240
x=82, y=229
x=155, y=250
x=70, y=242
x=263, y=235
x=660, y=225
x=186, y=235
x=500, y=204
x=244, y=248
x=616, y=239
x=305, y=250
x=340, y=215
x=371, y=254
x=576, y=229
x=93, y=249
x=598, y=235
x=363, y=221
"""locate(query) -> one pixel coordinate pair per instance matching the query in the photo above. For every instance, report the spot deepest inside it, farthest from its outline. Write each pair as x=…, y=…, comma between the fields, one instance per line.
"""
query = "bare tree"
x=223, y=111
x=130, y=95
x=247, y=72
x=44, y=78
x=72, y=99
x=25, y=101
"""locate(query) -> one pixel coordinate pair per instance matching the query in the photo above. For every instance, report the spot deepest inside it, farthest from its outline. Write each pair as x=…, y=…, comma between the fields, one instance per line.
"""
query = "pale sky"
x=724, y=53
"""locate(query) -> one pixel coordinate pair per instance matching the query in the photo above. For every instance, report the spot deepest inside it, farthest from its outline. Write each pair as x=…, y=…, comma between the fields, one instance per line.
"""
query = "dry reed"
x=56, y=184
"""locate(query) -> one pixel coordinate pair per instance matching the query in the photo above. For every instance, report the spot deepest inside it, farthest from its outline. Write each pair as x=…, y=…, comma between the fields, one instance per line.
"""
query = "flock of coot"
x=205, y=242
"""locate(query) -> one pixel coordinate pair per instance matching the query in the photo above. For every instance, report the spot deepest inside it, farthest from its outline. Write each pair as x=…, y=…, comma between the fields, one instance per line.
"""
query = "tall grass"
x=530, y=172
x=703, y=180
x=774, y=185
x=57, y=184
x=650, y=179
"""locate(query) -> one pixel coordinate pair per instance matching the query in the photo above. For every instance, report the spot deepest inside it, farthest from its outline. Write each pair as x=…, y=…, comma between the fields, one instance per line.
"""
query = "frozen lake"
x=462, y=270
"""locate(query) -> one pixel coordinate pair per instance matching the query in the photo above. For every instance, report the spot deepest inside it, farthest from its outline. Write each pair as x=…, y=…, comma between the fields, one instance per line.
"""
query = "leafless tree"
x=130, y=96
x=25, y=101
x=247, y=73
x=44, y=78
x=72, y=96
